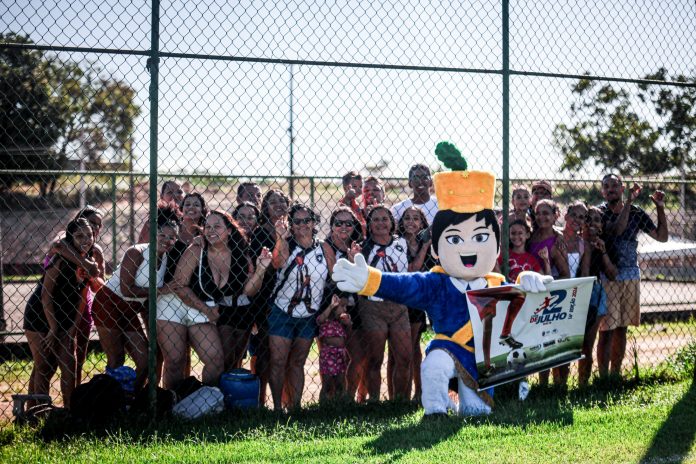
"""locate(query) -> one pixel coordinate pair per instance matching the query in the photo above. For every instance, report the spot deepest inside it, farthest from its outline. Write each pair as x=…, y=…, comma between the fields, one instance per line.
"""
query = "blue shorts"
x=598, y=305
x=598, y=298
x=283, y=325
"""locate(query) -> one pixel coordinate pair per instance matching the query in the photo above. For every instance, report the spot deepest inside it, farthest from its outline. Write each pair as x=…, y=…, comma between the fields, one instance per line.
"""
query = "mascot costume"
x=466, y=240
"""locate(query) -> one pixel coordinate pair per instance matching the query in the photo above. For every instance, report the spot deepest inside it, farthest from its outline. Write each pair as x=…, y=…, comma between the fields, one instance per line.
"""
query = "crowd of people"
x=256, y=281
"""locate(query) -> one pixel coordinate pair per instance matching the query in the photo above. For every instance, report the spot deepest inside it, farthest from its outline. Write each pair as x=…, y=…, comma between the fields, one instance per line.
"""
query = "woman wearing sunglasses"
x=303, y=265
x=344, y=239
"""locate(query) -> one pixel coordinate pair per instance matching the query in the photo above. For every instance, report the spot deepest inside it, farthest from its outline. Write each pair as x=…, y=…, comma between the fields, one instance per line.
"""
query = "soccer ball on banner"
x=516, y=359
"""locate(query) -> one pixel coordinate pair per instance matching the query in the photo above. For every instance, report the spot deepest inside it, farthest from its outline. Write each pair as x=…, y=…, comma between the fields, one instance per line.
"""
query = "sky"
x=226, y=117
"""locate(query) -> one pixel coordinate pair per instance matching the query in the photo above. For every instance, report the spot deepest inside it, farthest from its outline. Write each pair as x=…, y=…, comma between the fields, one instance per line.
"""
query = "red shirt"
x=520, y=262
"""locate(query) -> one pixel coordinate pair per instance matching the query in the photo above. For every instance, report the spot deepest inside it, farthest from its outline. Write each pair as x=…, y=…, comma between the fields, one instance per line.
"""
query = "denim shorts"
x=283, y=325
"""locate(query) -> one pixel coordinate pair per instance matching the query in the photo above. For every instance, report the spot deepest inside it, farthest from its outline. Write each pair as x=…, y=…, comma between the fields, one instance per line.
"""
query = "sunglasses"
x=306, y=220
x=339, y=223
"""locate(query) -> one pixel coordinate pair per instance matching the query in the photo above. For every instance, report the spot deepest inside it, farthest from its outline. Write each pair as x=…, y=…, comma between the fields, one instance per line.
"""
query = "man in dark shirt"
x=622, y=221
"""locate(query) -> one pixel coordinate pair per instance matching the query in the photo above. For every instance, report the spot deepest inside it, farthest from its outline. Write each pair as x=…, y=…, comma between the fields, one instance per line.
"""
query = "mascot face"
x=468, y=250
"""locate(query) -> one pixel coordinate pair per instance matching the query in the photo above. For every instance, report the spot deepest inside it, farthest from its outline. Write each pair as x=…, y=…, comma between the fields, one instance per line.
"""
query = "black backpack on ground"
x=98, y=401
x=186, y=387
x=165, y=401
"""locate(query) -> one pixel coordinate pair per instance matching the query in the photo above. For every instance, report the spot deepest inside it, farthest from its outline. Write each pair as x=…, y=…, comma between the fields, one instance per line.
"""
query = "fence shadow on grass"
x=677, y=433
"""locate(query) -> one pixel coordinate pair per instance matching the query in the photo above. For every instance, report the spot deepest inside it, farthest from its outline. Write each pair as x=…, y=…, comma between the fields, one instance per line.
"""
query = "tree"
x=31, y=114
x=677, y=108
x=51, y=108
x=607, y=131
x=102, y=114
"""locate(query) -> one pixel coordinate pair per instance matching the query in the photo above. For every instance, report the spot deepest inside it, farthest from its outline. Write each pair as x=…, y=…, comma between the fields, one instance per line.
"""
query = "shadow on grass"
x=544, y=406
x=315, y=422
x=423, y=435
x=677, y=433
x=397, y=426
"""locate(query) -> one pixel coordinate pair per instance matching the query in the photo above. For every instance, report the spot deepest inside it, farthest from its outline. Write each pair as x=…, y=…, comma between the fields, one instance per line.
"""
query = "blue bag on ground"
x=125, y=375
x=241, y=389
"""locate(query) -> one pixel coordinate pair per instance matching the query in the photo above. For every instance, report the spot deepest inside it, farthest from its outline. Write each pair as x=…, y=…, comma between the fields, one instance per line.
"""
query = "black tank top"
x=66, y=299
x=203, y=284
x=174, y=256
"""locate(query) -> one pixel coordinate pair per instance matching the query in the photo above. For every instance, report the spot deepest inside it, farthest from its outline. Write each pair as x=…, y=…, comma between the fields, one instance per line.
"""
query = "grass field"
x=630, y=422
x=655, y=342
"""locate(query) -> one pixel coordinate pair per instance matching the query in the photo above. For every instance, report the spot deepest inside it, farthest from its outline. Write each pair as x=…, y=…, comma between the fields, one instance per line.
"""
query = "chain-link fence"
x=240, y=111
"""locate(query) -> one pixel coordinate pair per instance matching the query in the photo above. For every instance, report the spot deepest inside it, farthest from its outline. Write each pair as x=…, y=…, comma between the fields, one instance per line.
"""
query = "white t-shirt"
x=390, y=258
x=300, y=294
x=141, y=275
x=429, y=208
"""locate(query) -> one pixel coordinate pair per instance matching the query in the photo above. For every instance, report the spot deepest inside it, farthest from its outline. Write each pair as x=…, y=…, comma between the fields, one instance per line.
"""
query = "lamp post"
x=292, y=139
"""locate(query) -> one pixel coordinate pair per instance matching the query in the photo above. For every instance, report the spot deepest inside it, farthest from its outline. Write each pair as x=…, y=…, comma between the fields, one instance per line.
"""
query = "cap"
x=546, y=185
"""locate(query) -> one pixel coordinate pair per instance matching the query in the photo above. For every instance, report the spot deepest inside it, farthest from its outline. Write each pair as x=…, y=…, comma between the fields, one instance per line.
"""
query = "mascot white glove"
x=350, y=277
x=534, y=282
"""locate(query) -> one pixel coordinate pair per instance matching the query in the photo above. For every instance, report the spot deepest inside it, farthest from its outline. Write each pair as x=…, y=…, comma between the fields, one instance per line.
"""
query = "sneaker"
x=511, y=342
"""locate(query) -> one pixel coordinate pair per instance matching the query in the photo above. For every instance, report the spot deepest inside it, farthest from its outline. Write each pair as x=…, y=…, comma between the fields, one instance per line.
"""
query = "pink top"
x=535, y=248
x=332, y=328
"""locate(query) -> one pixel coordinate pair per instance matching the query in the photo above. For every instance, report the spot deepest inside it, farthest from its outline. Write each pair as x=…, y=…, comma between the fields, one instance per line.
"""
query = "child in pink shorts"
x=334, y=324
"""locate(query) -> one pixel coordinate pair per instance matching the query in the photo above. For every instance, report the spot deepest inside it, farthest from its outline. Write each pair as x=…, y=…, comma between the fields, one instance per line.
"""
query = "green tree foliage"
x=608, y=131
x=51, y=109
x=677, y=108
x=31, y=113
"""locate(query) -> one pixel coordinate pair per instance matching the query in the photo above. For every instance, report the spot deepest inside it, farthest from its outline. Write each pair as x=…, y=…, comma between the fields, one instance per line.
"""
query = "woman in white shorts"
x=208, y=277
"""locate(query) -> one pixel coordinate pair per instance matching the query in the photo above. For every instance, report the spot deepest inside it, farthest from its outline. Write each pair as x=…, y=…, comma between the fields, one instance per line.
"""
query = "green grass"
x=665, y=329
x=18, y=279
x=647, y=422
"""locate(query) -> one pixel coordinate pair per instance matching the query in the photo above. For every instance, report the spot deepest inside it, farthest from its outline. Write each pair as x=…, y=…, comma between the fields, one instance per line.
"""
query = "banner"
x=517, y=333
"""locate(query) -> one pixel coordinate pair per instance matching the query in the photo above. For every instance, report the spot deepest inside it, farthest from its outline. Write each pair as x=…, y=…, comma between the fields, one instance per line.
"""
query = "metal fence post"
x=114, y=236
x=153, y=64
x=3, y=323
x=311, y=191
x=504, y=239
x=131, y=197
